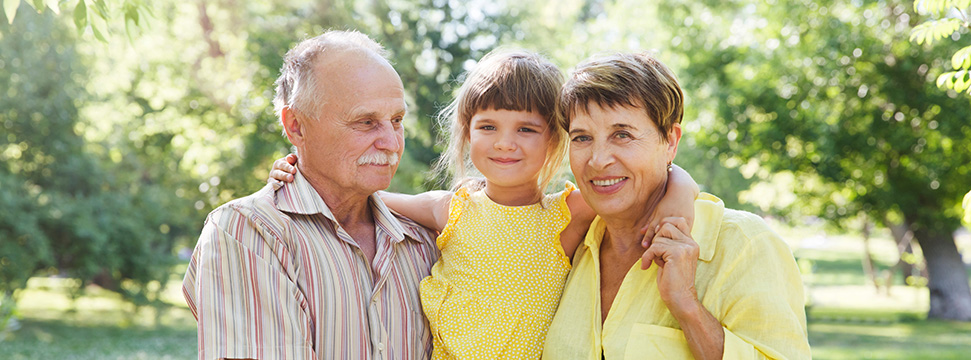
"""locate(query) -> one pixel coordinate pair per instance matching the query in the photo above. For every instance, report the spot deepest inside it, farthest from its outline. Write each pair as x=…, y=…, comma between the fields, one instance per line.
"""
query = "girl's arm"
x=430, y=209
x=581, y=215
x=678, y=201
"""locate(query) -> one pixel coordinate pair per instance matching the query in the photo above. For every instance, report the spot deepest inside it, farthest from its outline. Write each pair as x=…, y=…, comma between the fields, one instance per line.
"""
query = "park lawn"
x=98, y=325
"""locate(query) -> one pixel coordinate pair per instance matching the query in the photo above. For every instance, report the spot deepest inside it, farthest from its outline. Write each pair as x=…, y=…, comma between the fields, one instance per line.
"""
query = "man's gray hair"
x=297, y=85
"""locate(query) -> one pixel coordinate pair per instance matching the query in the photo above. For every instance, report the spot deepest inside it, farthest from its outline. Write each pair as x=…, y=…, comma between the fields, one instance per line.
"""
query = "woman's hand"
x=676, y=254
x=283, y=170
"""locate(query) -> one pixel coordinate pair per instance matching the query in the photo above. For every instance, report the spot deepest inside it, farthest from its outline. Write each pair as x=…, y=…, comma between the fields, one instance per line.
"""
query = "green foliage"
x=65, y=209
x=90, y=14
x=950, y=18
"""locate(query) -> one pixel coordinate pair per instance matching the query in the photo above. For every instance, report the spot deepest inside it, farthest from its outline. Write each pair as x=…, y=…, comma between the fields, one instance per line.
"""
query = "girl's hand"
x=283, y=170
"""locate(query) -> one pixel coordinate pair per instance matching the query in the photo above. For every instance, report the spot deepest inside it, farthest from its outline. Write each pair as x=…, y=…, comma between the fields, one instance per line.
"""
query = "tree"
x=834, y=91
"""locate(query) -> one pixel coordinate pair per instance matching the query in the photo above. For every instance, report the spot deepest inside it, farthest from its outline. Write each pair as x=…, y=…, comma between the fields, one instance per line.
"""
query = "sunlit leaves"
x=958, y=80
x=962, y=59
x=934, y=30
x=91, y=14
x=81, y=15
x=954, y=15
x=10, y=8
x=938, y=7
x=967, y=207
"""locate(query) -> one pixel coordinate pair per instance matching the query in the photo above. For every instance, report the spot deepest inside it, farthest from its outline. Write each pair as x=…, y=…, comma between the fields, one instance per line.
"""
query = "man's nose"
x=390, y=138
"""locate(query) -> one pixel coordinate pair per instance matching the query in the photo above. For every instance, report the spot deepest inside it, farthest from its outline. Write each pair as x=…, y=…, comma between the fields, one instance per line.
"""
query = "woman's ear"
x=291, y=126
x=674, y=137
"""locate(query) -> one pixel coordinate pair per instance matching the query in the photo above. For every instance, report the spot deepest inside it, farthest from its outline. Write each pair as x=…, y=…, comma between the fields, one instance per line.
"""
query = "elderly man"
x=319, y=269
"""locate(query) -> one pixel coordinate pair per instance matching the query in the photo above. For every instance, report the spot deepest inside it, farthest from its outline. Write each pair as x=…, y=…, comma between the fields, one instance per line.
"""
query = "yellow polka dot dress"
x=493, y=292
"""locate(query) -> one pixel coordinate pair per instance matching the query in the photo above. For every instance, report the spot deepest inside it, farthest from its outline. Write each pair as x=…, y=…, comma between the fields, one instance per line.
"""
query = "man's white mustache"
x=378, y=158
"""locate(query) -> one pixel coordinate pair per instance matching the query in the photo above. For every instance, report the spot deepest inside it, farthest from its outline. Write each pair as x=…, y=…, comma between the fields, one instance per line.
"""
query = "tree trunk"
x=903, y=237
x=868, y=267
x=947, y=276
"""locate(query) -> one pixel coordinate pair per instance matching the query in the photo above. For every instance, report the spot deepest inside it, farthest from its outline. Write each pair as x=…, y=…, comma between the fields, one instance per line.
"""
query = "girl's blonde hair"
x=515, y=80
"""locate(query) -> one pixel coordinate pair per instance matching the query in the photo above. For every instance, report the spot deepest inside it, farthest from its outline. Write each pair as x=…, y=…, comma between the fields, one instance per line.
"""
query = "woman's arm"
x=430, y=209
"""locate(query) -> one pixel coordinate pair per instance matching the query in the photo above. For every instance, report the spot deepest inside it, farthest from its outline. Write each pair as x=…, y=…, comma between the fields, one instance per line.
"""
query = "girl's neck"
x=519, y=195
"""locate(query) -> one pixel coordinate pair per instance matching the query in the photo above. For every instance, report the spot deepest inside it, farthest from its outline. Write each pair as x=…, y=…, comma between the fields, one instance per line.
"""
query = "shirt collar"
x=709, y=210
x=299, y=197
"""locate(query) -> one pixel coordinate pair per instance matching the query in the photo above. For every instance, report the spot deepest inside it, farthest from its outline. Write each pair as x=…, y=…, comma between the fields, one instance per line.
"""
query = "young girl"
x=505, y=246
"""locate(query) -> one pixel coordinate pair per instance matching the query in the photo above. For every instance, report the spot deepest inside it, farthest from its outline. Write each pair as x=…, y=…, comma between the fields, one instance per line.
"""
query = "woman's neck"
x=520, y=195
x=624, y=229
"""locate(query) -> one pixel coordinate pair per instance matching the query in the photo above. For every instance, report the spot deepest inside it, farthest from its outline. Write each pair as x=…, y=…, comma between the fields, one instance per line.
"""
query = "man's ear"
x=291, y=126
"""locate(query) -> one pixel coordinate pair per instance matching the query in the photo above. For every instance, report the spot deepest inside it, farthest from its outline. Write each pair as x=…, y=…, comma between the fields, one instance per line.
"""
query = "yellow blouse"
x=493, y=292
x=746, y=277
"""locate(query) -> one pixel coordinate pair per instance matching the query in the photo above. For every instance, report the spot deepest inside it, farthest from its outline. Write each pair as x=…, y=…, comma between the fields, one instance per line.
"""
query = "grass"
x=848, y=318
x=98, y=325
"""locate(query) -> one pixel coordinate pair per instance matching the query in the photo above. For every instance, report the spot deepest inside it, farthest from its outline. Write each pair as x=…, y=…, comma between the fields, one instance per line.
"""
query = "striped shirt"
x=274, y=276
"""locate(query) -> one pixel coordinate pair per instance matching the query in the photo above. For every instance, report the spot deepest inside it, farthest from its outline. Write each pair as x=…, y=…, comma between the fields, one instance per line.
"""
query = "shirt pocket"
x=656, y=342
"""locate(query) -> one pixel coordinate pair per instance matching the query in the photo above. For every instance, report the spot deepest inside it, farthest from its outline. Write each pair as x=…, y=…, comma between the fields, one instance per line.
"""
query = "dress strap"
x=456, y=207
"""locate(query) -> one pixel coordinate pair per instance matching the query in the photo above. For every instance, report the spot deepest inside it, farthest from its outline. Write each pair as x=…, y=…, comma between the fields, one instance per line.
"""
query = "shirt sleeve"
x=763, y=305
x=245, y=303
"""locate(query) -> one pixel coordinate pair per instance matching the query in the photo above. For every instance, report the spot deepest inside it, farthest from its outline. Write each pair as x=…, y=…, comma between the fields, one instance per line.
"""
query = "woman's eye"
x=623, y=135
x=580, y=138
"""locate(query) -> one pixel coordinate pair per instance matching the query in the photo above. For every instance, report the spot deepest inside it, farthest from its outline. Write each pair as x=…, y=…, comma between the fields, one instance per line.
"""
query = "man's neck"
x=349, y=208
x=353, y=213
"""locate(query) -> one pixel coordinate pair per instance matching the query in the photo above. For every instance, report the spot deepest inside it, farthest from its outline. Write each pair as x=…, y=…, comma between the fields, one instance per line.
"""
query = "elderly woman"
x=728, y=288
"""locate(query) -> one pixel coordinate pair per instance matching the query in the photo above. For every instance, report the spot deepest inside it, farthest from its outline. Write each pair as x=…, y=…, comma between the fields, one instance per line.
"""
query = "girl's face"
x=509, y=147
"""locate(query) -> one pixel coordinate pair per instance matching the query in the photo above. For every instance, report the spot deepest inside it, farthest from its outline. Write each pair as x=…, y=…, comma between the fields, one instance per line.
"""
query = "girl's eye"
x=525, y=129
x=487, y=127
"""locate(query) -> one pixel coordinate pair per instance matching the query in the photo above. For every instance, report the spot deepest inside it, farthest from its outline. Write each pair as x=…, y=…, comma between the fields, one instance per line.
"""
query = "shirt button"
x=380, y=346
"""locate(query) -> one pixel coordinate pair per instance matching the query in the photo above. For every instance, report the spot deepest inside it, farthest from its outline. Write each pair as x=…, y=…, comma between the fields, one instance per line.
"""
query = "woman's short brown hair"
x=631, y=79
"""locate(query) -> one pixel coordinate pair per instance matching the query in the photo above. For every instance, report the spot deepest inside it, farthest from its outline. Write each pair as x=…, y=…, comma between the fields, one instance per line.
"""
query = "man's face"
x=354, y=144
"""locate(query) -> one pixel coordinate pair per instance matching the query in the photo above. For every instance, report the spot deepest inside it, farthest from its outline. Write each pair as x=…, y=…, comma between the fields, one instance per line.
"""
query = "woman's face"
x=619, y=158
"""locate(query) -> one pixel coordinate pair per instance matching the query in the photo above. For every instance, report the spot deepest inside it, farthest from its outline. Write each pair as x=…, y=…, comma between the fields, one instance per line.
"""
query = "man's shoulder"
x=414, y=230
x=258, y=208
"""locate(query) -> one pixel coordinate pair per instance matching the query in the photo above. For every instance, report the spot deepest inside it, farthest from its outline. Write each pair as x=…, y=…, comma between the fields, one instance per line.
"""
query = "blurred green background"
x=123, y=123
